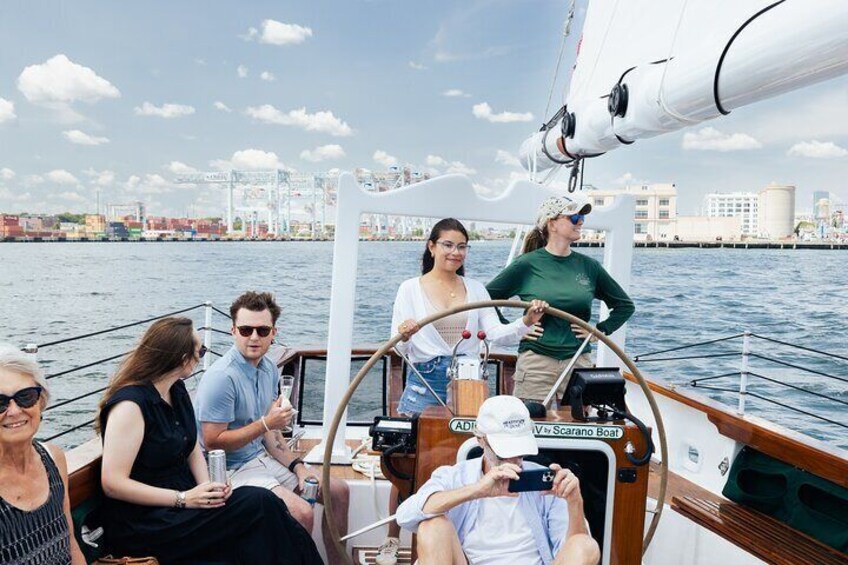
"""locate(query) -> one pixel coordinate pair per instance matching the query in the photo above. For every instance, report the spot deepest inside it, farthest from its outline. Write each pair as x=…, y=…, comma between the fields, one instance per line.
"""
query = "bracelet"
x=297, y=461
x=267, y=429
x=180, y=501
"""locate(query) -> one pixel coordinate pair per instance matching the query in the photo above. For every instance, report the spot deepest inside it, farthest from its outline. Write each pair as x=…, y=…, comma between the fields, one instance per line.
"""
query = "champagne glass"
x=286, y=386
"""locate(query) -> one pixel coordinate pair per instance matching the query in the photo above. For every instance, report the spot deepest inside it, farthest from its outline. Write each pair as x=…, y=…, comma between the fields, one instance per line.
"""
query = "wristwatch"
x=295, y=462
x=180, y=501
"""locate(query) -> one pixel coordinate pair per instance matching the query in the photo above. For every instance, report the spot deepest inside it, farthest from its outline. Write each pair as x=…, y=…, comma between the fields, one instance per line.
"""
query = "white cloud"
x=32, y=180
x=7, y=110
x=101, y=178
x=507, y=158
x=60, y=80
x=165, y=111
x=132, y=182
x=817, y=150
x=710, y=139
x=385, y=159
x=241, y=71
x=278, y=33
x=455, y=93
x=179, y=168
x=629, y=179
x=249, y=159
x=7, y=173
x=322, y=153
x=221, y=106
x=61, y=176
x=417, y=66
x=267, y=76
x=449, y=166
x=82, y=138
x=484, y=112
x=435, y=161
x=6, y=194
x=151, y=184
x=70, y=196
x=323, y=122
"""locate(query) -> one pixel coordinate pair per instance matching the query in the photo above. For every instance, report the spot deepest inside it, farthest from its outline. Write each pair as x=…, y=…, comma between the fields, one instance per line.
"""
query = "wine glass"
x=286, y=386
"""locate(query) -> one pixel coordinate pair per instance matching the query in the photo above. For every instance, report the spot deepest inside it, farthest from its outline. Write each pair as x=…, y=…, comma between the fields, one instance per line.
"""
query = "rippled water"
x=53, y=291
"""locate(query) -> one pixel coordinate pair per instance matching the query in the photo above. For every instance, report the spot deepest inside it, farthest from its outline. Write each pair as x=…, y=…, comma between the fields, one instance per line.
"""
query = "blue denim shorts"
x=415, y=396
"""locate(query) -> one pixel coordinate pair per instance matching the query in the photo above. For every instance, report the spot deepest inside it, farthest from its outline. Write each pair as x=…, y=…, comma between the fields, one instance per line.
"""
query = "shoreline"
x=757, y=244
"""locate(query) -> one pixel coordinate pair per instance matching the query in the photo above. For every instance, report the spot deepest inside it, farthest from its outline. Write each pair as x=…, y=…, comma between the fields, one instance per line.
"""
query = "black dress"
x=253, y=527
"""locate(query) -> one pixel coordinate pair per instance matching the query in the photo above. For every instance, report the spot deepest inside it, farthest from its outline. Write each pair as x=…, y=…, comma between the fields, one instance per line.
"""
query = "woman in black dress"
x=159, y=500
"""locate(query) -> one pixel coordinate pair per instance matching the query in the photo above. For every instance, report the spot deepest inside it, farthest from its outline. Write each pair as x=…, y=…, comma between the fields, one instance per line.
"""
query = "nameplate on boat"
x=550, y=429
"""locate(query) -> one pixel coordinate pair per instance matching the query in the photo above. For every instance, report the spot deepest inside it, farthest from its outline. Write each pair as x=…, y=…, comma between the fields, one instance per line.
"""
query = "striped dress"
x=39, y=537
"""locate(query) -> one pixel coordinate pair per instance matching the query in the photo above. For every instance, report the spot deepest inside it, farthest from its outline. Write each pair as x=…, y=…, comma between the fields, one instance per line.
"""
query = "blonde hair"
x=535, y=238
x=14, y=360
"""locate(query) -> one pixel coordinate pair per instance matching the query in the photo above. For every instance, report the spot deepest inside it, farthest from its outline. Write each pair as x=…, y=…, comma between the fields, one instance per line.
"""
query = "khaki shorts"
x=535, y=374
x=264, y=472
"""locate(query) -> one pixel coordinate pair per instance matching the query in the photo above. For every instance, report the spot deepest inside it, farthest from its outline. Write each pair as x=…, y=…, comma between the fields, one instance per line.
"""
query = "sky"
x=119, y=98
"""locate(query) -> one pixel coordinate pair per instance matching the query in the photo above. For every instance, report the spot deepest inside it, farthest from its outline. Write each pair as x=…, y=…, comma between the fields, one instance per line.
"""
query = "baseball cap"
x=507, y=425
x=561, y=206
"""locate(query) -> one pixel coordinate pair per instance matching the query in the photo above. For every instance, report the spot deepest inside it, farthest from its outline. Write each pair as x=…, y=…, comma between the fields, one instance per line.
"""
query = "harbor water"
x=53, y=291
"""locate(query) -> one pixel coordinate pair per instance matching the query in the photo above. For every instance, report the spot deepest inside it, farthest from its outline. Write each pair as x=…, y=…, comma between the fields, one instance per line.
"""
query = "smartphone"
x=532, y=480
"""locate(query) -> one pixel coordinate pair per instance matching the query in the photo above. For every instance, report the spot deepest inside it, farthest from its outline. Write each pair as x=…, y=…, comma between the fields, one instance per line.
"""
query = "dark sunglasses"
x=247, y=331
x=24, y=398
x=202, y=351
x=576, y=218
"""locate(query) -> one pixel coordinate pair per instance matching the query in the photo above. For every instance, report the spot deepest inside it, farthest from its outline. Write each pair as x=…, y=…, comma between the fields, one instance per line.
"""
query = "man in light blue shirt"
x=465, y=513
x=239, y=410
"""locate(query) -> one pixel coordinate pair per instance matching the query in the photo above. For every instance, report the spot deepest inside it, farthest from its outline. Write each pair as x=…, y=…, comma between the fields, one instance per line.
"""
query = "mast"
x=649, y=67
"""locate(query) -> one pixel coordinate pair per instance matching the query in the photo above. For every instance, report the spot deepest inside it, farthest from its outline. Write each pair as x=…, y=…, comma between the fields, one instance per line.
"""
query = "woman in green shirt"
x=550, y=270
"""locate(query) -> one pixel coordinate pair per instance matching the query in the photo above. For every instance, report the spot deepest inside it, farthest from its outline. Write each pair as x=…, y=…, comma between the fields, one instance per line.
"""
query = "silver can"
x=217, y=466
x=310, y=490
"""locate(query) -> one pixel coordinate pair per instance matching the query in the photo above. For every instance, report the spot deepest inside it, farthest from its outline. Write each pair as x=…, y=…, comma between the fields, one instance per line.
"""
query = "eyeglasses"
x=202, y=351
x=450, y=246
x=574, y=218
x=24, y=398
x=247, y=331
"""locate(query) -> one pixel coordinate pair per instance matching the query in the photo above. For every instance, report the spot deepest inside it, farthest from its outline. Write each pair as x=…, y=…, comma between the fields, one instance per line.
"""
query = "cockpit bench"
x=763, y=536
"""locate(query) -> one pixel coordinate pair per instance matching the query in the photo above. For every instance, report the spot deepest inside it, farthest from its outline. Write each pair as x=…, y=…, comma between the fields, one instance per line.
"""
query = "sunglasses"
x=24, y=398
x=576, y=218
x=247, y=331
x=202, y=351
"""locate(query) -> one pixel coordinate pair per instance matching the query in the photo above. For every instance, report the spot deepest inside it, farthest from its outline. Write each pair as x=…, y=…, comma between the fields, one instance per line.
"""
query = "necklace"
x=450, y=288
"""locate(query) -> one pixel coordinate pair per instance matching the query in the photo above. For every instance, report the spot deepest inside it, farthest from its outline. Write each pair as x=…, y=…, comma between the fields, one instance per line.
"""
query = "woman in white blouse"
x=442, y=286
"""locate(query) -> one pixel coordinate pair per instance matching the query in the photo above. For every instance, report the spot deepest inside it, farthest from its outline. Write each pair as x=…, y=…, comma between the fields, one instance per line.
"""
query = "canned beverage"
x=310, y=490
x=217, y=466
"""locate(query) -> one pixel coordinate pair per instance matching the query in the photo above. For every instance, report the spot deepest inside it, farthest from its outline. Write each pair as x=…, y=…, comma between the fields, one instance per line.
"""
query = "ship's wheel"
x=387, y=346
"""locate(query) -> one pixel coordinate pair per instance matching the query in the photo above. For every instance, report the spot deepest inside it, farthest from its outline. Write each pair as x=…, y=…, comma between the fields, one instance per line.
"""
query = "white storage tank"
x=777, y=211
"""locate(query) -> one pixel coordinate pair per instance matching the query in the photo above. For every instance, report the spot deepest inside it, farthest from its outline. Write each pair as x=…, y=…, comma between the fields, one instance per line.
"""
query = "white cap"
x=561, y=206
x=507, y=426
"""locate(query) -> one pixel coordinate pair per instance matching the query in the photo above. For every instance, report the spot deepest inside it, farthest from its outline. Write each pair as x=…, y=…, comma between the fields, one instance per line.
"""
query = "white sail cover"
x=670, y=52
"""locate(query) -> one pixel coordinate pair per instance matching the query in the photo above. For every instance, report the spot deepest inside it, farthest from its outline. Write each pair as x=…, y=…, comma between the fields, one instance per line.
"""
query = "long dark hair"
x=448, y=224
x=166, y=345
x=535, y=239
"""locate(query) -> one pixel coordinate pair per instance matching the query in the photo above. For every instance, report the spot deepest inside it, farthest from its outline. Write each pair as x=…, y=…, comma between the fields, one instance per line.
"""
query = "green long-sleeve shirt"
x=569, y=284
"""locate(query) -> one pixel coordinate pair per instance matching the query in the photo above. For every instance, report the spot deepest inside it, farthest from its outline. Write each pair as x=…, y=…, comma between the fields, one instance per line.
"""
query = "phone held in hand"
x=532, y=480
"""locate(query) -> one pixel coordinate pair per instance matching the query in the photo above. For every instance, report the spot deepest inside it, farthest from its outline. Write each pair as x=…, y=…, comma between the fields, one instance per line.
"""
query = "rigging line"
x=799, y=367
x=565, y=33
x=60, y=434
x=810, y=349
x=687, y=346
x=667, y=62
x=798, y=388
x=221, y=312
x=80, y=397
x=216, y=330
x=92, y=364
x=694, y=382
x=116, y=328
x=840, y=424
x=603, y=43
x=709, y=356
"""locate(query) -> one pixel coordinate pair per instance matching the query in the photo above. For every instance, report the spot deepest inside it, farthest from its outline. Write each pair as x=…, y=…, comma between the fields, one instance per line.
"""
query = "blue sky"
x=119, y=97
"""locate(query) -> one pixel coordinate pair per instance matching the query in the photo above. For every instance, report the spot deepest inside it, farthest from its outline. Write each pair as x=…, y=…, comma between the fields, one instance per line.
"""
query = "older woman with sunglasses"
x=35, y=512
x=550, y=270
x=159, y=500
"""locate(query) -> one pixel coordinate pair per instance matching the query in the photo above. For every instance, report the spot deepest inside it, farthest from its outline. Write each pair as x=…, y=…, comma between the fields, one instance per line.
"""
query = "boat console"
x=614, y=489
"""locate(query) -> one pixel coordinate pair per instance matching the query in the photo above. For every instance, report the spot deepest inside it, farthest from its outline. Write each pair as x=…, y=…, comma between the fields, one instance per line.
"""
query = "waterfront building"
x=656, y=208
x=95, y=224
x=818, y=197
x=776, y=216
x=744, y=205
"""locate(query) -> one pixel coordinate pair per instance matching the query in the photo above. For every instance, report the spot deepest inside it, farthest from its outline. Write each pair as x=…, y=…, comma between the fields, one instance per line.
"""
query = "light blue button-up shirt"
x=546, y=515
x=236, y=393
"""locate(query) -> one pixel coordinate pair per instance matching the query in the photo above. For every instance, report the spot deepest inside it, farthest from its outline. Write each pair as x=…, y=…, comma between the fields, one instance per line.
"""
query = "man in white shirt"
x=465, y=513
